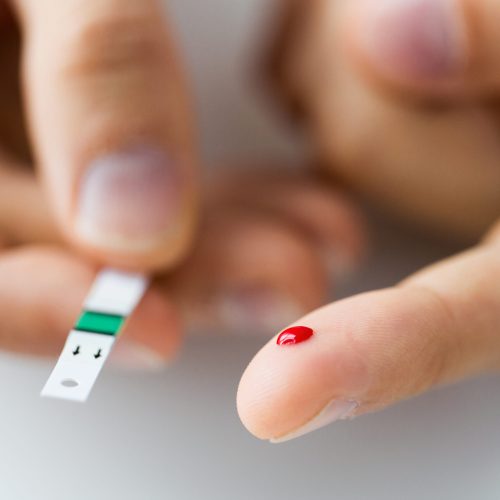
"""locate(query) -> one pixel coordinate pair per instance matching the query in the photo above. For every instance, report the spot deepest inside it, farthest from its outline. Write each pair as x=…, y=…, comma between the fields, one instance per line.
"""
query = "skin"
x=389, y=135
x=438, y=326
x=422, y=142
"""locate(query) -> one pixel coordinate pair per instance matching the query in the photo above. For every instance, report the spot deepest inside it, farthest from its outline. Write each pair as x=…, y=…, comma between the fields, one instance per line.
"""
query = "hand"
x=236, y=278
x=109, y=129
x=399, y=97
x=109, y=124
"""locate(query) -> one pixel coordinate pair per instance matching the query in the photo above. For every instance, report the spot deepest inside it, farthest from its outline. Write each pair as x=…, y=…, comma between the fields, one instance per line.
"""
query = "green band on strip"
x=108, y=324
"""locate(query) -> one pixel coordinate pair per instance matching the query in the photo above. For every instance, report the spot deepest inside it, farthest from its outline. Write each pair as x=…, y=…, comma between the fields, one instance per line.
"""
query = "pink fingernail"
x=335, y=410
x=413, y=38
x=129, y=200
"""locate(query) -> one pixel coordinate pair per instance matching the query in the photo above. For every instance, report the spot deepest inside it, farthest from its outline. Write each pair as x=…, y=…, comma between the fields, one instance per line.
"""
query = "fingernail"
x=413, y=38
x=129, y=200
x=256, y=311
x=332, y=412
x=133, y=356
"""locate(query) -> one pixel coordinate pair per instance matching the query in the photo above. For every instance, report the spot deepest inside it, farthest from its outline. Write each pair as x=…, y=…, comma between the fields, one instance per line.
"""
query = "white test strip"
x=112, y=298
x=115, y=292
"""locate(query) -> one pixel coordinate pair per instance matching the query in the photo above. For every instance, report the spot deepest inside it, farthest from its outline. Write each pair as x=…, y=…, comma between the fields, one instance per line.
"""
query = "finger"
x=327, y=217
x=377, y=348
x=109, y=118
x=238, y=278
x=432, y=45
x=51, y=285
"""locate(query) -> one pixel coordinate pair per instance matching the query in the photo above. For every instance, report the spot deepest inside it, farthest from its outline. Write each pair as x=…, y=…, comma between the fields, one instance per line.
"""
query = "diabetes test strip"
x=112, y=298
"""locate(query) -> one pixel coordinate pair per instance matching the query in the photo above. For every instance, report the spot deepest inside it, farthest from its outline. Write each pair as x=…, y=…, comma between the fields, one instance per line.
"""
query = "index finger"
x=369, y=351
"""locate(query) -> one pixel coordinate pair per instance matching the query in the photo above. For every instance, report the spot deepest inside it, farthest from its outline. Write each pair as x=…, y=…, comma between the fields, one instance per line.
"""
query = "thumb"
x=109, y=119
x=369, y=351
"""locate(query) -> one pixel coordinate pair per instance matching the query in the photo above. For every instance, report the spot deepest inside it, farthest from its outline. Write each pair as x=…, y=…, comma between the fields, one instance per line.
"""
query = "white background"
x=176, y=435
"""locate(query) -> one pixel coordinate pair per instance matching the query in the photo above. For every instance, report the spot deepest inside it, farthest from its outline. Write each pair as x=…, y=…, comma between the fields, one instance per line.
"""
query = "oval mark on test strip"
x=69, y=382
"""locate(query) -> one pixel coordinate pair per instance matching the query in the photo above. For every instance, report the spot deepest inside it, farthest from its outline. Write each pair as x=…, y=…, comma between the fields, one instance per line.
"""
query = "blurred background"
x=176, y=435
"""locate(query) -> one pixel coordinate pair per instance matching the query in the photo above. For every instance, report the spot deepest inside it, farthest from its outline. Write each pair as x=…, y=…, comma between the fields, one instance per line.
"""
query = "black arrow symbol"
x=98, y=355
x=76, y=351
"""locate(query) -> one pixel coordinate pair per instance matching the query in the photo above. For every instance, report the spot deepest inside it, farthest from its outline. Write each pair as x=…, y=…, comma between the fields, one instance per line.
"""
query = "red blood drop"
x=295, y=335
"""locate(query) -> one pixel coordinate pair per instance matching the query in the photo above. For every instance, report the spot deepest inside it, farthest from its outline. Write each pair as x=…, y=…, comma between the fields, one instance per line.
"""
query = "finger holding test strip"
x=112, y=298
x=110, y=127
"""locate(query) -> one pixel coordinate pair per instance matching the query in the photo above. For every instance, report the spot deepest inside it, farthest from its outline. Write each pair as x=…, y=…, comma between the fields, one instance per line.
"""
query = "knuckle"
x=113, y=44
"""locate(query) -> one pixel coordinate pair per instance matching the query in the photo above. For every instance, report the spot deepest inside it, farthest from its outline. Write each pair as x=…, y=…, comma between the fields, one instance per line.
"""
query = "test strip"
x=112, y=298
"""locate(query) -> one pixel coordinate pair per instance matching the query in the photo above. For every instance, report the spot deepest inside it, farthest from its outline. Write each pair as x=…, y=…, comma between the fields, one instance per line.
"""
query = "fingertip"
x=143, y=254
x=365, y=353
x=286, y=386
x=135, y=209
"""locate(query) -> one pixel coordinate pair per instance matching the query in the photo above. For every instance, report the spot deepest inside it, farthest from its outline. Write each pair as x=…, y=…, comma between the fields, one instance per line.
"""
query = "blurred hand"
x=400, y=99
x=111, y=140
x=237, y=278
